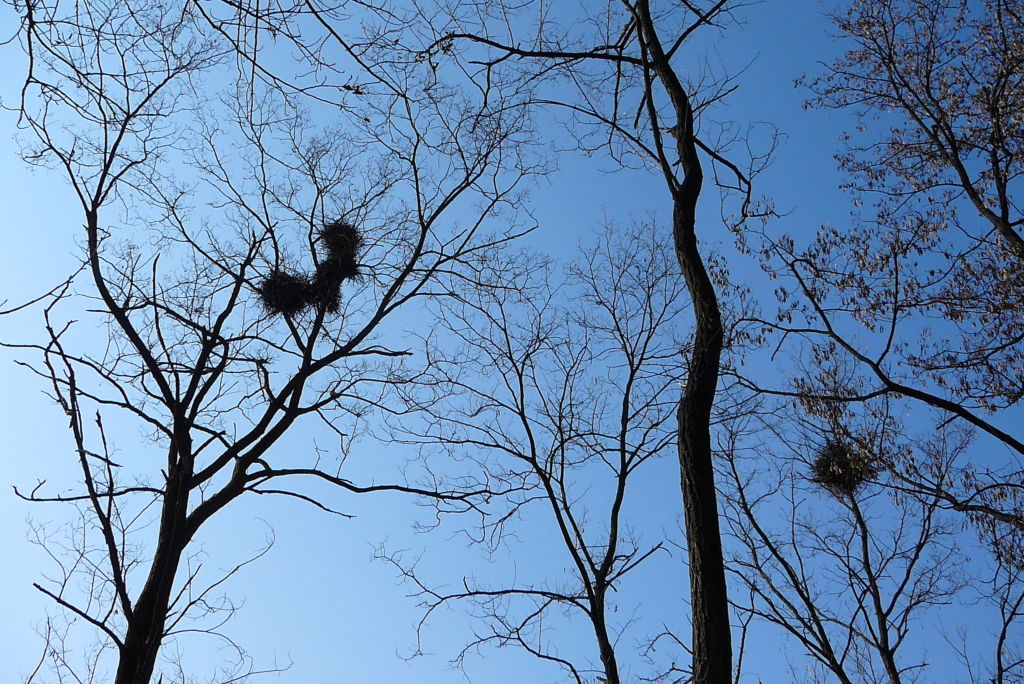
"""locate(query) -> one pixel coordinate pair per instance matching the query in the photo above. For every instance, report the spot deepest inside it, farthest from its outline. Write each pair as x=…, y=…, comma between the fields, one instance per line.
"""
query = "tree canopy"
x=627, y=364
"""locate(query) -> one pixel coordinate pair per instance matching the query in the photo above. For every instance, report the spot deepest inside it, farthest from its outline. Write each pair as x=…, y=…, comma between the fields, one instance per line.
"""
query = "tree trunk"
x=604, y=641
x=712, y=638
x=712, y=647
x=148, y=620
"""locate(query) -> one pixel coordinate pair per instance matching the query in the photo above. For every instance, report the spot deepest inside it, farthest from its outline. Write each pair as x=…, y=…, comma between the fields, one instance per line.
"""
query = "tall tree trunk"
x=712, y=638
x=712, y=647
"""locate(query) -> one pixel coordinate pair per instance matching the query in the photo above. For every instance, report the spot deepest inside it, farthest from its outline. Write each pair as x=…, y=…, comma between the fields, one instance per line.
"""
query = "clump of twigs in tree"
x=841, y=468
x=341, y=241
x=285, y=294
x=326, y=288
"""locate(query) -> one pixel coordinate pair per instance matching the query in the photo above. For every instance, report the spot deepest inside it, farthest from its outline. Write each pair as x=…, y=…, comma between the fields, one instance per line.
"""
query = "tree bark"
x=712, y=639
x=604, y=641
x=147, y=623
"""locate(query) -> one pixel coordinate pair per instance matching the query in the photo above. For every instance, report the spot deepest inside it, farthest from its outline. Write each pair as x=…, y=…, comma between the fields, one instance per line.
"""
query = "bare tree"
x=923, y=299
x=614, y=71
x=902, y=334
x=561, y=389
x=627, y=97
x=247, y=240
x=829, y=556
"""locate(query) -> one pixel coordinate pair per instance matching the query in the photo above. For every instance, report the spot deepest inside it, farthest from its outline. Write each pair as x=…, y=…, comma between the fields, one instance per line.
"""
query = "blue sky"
x=317, y=599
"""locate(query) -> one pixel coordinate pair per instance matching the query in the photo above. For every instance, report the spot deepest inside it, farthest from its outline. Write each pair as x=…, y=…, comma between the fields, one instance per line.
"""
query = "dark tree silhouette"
x=903, y=331
x=620, y=65
x=227, y=213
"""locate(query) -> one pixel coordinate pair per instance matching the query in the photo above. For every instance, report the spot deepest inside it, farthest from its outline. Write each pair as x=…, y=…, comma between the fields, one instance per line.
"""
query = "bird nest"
x=841, y=468
x=287, y=294
x=284, y=293
x=342, y=242
x=326, y=287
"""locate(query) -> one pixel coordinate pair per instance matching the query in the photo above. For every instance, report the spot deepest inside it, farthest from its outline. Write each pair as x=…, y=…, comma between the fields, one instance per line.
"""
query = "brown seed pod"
x=285, y=294
x=841, y=468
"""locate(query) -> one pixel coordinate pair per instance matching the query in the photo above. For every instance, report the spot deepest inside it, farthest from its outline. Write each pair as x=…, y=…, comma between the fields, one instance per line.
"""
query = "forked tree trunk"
x=605, y=644
x=148, y=621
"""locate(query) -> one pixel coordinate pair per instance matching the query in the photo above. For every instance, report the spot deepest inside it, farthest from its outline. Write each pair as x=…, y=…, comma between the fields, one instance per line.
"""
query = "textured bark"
x=712, y=640
x=712, y=648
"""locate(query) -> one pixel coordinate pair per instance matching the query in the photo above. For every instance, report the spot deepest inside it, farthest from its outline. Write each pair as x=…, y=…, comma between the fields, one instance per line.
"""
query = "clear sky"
x=317, y=599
